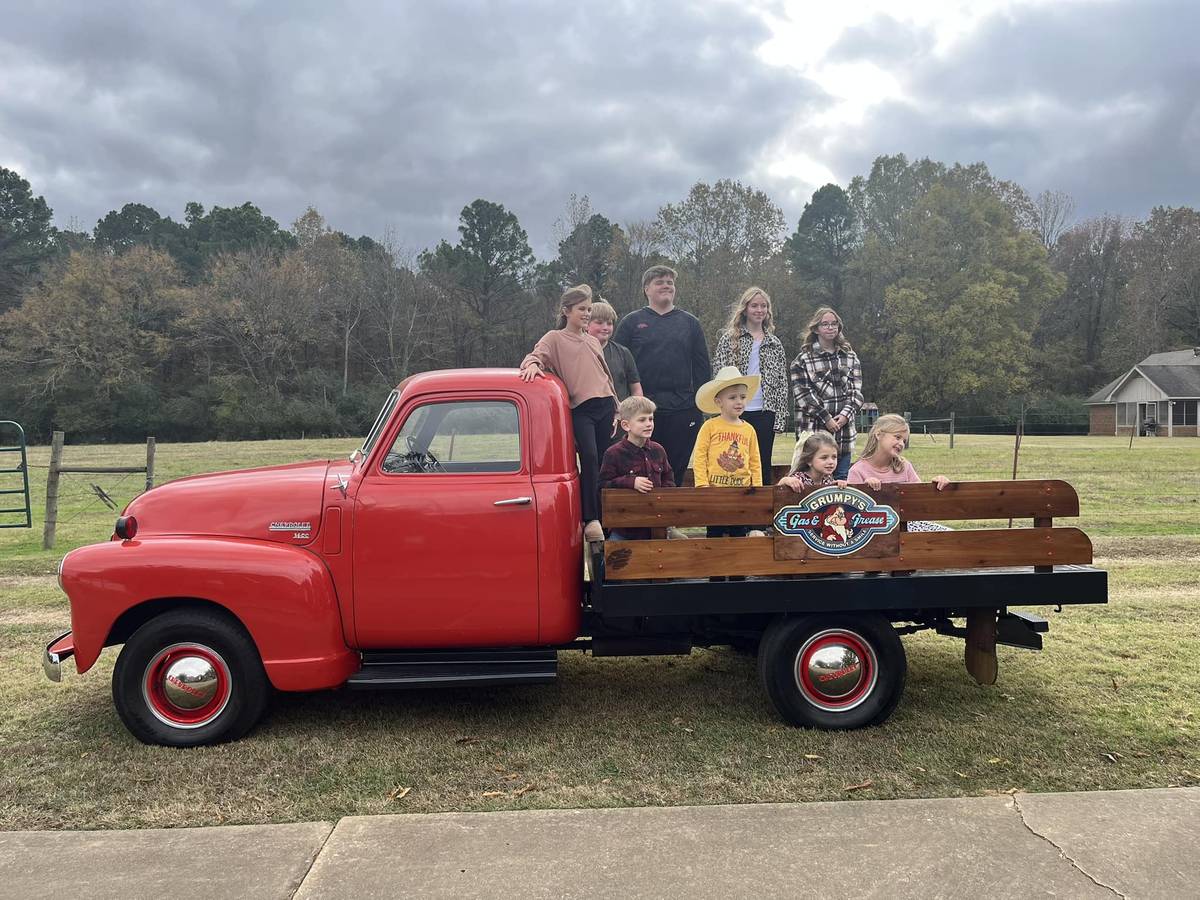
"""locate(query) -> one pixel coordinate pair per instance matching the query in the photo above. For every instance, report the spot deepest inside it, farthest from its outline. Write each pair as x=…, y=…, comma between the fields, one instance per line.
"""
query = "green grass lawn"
x=1113, y=701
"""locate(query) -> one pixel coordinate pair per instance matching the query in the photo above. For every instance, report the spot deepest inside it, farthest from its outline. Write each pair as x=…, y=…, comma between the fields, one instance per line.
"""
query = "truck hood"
x=273, y=503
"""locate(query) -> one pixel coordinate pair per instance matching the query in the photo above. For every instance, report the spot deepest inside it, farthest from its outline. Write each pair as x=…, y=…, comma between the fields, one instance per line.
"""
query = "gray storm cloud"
x=395, y=116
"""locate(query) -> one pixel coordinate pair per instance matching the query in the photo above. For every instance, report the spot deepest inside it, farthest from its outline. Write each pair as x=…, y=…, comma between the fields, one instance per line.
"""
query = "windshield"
x=380, y=420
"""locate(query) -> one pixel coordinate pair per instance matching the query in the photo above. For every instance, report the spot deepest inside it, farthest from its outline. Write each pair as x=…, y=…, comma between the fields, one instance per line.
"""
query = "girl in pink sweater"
x=882, y=463
x=578, y=359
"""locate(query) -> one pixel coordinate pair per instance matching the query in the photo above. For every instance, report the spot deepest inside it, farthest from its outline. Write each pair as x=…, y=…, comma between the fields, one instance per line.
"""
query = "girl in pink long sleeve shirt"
x=882, y=463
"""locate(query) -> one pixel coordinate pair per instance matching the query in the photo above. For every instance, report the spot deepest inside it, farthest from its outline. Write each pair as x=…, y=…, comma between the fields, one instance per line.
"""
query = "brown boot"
x=593, y=531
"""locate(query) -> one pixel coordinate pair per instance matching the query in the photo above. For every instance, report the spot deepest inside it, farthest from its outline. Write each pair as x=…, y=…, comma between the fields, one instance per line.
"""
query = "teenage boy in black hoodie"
x=671, y=353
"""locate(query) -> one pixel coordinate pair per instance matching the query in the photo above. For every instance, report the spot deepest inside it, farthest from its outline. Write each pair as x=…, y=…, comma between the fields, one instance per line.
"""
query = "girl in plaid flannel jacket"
x=826, y=381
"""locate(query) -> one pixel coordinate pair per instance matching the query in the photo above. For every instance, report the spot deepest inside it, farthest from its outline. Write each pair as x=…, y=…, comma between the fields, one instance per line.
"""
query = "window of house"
x=1183, y=412
x=460, y=436
x=1126, y=413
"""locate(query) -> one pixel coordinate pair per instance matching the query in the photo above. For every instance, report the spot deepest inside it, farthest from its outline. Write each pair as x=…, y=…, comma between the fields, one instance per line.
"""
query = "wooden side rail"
x=684, y=507
x=984, y=548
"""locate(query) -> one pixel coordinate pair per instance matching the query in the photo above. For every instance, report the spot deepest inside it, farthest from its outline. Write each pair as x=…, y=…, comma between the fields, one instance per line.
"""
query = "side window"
x=459, y=436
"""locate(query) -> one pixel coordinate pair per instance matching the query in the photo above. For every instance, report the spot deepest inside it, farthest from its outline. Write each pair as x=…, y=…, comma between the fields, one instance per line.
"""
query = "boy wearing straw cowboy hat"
x=726, y=452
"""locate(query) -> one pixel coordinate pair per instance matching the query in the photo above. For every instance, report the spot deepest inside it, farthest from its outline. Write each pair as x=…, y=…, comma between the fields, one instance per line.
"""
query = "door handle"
x=515, y=501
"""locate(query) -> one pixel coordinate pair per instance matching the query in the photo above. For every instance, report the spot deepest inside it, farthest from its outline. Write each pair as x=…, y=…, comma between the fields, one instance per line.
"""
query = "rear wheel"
x=188, y=678
x=833, y=671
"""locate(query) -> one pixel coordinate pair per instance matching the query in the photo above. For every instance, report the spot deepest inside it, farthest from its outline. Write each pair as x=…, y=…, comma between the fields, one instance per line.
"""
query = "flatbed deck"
x=946, y=591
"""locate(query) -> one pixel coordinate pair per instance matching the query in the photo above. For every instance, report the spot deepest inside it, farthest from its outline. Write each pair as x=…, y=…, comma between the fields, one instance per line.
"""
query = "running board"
x=405, y=669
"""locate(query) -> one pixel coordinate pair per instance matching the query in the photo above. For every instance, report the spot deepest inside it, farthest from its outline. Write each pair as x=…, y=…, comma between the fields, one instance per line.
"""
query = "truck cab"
x=455, y=525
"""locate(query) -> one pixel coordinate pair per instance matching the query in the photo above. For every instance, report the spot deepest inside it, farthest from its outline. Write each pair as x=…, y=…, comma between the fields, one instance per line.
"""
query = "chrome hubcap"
x=190, y=682
x=186, y=685
x=836, y=670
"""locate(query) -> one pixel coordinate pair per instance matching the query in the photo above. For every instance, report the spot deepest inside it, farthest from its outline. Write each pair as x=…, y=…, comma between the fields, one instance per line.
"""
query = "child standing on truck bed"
x=813, y=463
x=626, y=380
x=882, y=463
x=577, y=358
x=726, y=452
x=636, y=462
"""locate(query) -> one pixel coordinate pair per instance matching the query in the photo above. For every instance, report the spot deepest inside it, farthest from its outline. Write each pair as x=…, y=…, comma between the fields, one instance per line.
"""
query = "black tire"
x=188, y=678
x=857, y=684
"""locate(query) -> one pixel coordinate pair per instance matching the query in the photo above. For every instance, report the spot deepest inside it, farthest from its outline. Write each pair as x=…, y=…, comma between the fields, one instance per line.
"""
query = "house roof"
x=1188, y=357
x=1102, y=395
x=1174, y=381
x=1176, y=373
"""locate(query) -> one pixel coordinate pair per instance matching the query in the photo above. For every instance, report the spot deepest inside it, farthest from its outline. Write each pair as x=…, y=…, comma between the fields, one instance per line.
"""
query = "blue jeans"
x=843, y=466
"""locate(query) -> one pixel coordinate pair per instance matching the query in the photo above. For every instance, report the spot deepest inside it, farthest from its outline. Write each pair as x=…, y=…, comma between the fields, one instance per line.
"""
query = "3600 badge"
x=836, y=521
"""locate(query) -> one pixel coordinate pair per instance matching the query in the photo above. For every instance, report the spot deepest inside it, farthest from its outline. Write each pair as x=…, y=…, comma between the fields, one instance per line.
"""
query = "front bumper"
x=62, y=647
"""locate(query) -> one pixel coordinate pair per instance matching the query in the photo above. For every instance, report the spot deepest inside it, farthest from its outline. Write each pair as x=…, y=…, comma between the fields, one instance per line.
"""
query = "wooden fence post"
x=56, y=449
x=150, y=461
x=952, y=430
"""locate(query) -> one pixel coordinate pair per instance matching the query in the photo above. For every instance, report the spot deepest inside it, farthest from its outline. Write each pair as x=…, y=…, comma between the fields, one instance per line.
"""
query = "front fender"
x=283, y=595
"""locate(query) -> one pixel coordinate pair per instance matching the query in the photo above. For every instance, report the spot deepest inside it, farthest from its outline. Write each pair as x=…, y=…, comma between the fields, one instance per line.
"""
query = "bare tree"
x=1074, y=328
x=1052, y=215
x=633, y=250
x=399, y=314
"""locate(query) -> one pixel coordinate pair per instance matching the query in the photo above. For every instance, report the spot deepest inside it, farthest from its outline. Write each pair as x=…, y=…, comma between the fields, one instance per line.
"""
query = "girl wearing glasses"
x=826, y=379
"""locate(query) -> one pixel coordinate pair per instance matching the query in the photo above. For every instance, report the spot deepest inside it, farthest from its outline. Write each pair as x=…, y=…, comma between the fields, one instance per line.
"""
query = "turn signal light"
x=126, y=528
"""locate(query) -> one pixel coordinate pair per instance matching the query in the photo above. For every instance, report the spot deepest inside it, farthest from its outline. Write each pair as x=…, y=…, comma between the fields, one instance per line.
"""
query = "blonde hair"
x=603, y=312
x=572, y=296
x=632, y=407
x=888, y=424
x=737, y=314
x=812, y=338
x=806, y=450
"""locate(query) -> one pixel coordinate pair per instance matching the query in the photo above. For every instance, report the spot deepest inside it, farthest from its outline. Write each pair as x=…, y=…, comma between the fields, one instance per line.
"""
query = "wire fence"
x=1035, y=423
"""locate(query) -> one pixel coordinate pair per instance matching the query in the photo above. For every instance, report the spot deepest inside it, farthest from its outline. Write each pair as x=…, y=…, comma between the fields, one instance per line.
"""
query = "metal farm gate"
x=9, y=429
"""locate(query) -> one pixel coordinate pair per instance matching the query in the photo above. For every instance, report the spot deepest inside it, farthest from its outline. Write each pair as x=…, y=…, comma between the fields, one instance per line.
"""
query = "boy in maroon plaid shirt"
x=636, y=462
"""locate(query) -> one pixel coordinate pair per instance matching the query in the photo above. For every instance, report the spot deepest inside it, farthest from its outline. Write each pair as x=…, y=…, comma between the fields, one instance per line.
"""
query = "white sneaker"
x=674, y=534
x=756, y=533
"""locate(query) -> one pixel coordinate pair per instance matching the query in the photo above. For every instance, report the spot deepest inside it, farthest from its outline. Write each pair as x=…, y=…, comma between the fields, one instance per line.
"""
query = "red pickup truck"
x=448, y=550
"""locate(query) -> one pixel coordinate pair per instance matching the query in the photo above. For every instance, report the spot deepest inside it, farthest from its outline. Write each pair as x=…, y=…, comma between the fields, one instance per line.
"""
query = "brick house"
x=1157, y=396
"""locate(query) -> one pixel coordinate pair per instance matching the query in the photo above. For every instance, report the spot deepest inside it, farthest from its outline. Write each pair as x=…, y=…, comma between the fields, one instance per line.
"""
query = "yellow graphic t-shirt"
x=726, y=455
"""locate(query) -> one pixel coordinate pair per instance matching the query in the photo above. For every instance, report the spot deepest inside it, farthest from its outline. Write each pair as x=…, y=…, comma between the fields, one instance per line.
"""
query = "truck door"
x=445, y=531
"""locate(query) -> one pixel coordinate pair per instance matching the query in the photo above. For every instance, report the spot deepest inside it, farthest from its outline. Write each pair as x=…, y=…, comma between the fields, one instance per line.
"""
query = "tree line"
x=959, y=290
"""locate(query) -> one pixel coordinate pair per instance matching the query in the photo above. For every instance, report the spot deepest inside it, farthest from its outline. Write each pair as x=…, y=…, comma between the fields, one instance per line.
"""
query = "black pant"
x=676, y=430
x=592, y=421
x=763, y=423
x=727, y=530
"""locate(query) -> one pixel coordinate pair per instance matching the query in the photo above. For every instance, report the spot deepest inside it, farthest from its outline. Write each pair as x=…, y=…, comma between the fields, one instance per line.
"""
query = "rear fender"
x=282, y=595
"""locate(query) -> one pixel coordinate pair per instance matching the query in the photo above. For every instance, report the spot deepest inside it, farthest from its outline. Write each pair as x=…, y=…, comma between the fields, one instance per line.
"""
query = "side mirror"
x=355, y=455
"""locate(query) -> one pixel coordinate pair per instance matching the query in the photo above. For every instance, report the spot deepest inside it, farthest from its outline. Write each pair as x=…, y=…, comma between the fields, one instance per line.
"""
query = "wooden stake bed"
x=643, y=590
x=1039, y=546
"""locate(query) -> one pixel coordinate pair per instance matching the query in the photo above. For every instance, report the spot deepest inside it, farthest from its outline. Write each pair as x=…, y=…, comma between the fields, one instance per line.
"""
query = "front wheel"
x=189, y=678
x=833, y=671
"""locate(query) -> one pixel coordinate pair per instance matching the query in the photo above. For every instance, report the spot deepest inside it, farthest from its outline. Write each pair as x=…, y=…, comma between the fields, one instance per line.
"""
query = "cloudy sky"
x=391, y=116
